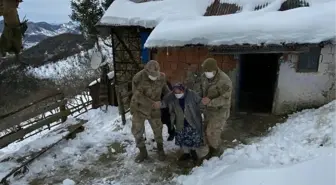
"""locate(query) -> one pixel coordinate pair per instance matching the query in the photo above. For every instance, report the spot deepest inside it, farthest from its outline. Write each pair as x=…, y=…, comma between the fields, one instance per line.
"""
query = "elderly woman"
x=185, y=113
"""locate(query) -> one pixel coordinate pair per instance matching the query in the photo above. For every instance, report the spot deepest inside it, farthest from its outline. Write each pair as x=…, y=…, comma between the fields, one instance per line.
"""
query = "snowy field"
x=300, y=151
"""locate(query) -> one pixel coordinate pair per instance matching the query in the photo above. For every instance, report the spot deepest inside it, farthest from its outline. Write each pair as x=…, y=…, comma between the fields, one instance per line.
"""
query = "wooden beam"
x=261, y=51
x=10, y=138
x=11, y=121
x=114, y=49
x=102, y=26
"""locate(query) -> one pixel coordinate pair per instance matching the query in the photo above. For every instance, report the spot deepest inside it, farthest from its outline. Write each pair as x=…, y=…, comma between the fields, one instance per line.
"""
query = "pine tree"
x=107, y=4
x=87, y=13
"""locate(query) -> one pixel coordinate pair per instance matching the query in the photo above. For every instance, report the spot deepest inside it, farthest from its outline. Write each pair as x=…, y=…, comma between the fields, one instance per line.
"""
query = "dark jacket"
x=165, y=116
x=192, y=111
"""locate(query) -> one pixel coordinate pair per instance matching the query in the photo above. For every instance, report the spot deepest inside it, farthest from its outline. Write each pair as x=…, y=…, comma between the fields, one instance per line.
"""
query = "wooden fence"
x=41, y=115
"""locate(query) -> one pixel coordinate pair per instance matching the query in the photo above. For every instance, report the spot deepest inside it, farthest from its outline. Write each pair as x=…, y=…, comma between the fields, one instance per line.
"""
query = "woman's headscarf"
x=178, y=86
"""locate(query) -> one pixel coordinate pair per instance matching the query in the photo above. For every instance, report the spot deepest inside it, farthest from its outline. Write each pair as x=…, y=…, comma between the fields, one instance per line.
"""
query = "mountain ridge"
x=38, y=31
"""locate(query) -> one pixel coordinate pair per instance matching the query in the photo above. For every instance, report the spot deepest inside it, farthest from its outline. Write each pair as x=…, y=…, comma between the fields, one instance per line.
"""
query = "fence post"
x=63, y=108
x=84, y=104
x=121, y=107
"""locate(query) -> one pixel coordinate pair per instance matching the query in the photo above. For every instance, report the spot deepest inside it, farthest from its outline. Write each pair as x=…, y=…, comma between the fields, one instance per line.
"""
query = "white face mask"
x=209, y=74
x=152, y=77
x=178, y=96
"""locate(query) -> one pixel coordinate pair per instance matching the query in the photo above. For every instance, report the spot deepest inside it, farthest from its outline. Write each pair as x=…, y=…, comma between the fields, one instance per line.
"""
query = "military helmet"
x=209, y=64
x=153, y=68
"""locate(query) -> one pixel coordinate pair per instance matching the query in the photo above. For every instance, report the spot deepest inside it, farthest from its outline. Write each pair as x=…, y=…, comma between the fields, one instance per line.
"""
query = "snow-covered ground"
x=102, y=129
x=76, y=65
x=300, y=151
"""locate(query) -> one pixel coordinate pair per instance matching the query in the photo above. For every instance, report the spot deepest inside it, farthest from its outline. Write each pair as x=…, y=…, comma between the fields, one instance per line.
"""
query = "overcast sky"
x=51, y=11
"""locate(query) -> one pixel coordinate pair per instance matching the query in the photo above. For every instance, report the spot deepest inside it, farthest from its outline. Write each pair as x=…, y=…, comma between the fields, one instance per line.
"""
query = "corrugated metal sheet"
x=143, y=1
x=291, y=4
x=260, y=7
x=218, y=8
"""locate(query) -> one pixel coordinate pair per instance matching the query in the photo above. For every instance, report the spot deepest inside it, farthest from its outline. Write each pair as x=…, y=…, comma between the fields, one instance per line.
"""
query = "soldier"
x=11, y=38
x=216, y=93
x=147, y=86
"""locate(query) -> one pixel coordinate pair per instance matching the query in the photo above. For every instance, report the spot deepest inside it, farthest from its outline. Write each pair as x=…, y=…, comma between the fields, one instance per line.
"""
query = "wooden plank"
x=254, y=52
x=221, y=51
x=63, y=108
x=9, y=122
x=83, y=103
x=10, y=138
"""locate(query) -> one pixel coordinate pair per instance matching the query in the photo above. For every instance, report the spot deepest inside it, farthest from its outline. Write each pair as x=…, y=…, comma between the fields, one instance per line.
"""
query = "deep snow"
x=181, y=22
x=285, y=156
x=299, y=25
x=149, y=14
x=300, y=151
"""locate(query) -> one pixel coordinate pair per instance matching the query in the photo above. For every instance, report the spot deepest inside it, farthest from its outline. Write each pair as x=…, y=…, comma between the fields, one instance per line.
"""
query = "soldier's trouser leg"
x=157, y=126
x=138, y=130
x=214, y=128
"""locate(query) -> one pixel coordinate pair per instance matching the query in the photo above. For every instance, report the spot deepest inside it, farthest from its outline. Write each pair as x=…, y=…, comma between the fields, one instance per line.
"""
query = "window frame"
x=302, y=65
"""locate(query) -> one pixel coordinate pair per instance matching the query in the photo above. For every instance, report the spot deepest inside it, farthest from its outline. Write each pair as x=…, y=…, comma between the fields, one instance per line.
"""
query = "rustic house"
x=279, y=54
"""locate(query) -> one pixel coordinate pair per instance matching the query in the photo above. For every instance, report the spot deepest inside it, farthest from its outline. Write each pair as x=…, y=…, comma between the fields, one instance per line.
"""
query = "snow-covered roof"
x=301, y=25
x=149, y=14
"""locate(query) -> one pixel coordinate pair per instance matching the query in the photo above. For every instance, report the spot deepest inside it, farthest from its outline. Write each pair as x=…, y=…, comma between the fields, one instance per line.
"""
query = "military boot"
x=142, y=155
x=184, y=157
x=194, y=156
x=171, y=137
x=210, y=153
x=216, y=152
x=161, y=153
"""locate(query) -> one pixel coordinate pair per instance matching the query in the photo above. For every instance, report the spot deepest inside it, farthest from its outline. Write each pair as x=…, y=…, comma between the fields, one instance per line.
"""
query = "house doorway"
x=258, y=76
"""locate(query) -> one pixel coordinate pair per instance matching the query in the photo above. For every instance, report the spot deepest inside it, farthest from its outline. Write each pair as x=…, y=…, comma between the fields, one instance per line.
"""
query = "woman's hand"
x=206, y=100
x=156, y=105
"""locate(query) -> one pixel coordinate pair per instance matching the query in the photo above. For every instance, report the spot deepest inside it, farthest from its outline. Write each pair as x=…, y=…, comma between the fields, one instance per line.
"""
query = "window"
x=309, y=62
x=144, y=51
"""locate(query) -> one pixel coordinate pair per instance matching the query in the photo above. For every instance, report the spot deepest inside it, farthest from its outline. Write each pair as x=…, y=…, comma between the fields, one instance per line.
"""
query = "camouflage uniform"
x=11, y=38
x=145, y=93
x=218, y=89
